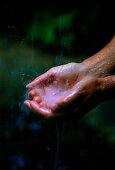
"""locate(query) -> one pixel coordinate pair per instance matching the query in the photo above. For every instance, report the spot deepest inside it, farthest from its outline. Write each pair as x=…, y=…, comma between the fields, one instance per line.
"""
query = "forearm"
x=103, y=62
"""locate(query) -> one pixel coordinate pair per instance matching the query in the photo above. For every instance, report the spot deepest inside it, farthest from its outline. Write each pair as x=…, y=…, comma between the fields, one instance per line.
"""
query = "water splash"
x=32, y=45
x=26, y=78
x=59, y=58
x=11, y=26
x=23, y=108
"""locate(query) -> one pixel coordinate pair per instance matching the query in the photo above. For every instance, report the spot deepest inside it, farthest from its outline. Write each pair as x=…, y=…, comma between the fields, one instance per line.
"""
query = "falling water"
x=23, y=74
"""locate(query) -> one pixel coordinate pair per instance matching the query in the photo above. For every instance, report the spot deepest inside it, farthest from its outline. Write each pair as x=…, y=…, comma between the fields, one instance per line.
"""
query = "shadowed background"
x=33, y=38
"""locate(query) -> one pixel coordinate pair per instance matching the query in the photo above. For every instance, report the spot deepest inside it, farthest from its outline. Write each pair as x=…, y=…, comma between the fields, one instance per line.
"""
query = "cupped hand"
x=64, y=90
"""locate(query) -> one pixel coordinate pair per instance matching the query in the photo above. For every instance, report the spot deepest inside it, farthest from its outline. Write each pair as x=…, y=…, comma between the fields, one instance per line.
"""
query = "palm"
x=52, y=87
x=50, y=94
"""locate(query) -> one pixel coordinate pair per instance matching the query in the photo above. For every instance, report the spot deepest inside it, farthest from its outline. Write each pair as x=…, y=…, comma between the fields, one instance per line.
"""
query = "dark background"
x=35, y=36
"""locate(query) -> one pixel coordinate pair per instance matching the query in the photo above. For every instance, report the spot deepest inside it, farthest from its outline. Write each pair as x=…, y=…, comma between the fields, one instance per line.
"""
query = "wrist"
x=98, y=65
x=102, y=63
x=93, y=66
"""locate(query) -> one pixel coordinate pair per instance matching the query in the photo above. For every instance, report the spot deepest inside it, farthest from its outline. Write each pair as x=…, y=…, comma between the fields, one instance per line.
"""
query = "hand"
x=74, y=88
x=64, y=90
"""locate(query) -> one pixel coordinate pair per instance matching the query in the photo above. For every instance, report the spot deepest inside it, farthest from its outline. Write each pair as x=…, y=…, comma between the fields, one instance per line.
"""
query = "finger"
x=43, y=104
x=65, y=101
x=57, y=107
x=73, y=94
x=36, y=82
x=35, y=107
x=41, y=80
x=33, y=93
x=27, y=103
x=37, y=99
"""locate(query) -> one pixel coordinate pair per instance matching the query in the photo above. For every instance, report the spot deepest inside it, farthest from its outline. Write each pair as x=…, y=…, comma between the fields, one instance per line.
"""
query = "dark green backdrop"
x=33, y=38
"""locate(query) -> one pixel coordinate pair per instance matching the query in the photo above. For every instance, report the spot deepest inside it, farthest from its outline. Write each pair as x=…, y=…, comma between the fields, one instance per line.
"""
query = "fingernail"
x=27, y=103
x=28, y=86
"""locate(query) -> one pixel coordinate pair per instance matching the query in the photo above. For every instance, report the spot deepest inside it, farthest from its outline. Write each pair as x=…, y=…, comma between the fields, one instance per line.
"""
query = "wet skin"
x=73, y=89
x=50, y=89
x=54, y=93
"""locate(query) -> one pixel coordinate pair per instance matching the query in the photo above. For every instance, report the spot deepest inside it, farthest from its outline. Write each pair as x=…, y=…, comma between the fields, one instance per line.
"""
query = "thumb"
x=42, y=80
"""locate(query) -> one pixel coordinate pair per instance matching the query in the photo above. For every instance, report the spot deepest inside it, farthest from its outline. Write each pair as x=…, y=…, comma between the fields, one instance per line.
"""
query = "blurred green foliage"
x=91, y=141
x=51, y=30
x=28, y=48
